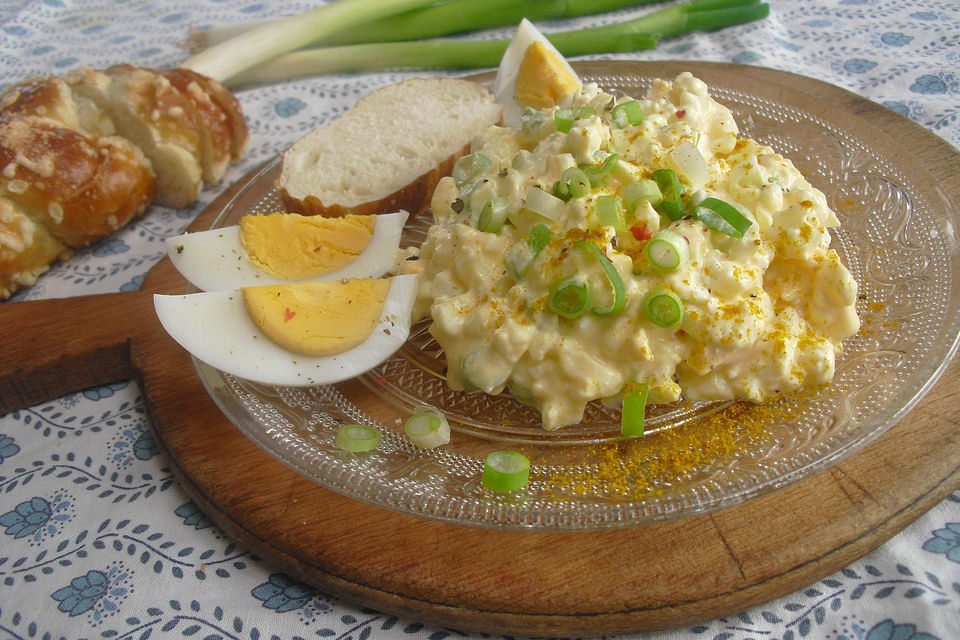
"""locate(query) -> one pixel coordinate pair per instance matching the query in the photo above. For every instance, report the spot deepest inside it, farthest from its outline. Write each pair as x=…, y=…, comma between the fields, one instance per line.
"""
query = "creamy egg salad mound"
x=609, y=241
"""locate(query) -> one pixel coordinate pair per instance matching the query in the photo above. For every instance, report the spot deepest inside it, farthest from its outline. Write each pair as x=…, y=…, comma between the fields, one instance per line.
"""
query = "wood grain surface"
x=583, y=583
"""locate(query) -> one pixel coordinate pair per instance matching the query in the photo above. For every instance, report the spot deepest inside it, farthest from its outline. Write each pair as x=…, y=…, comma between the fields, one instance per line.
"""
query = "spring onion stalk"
x=564, y=117
x=636, y=193
x=470, y=167
x=610, y=213
x=225, y=60
x=573, y=184
x=613, y=278
x=669, y=186
x=721, y=216
x=445, y=18
x=570, y=297
x=634, y=407
x=626, y=114
x=521, y=255
x=667, y=250
x=427, y=428
x=493, y=215
x=640, y=33
x=357, y=438
x=599, y=175
x=663, y=307
x=505, y=471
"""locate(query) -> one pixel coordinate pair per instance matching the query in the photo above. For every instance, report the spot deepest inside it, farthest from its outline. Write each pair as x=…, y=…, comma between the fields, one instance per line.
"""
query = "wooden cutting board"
x=587, y=583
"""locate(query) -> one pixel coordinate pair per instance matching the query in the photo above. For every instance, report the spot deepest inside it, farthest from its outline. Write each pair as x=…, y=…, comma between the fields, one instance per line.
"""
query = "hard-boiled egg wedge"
x=216, y=327
x=286, y=247
x=532, y=73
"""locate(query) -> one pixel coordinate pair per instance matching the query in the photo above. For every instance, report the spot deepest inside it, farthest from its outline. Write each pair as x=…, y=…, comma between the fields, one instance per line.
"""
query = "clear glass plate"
x=897, y=239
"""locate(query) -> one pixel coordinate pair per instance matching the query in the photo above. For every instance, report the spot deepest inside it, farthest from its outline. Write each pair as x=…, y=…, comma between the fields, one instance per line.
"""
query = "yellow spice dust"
x=648, y=466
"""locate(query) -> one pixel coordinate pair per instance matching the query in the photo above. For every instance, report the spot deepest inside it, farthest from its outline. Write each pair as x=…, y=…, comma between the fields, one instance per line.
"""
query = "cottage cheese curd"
x=762, y=314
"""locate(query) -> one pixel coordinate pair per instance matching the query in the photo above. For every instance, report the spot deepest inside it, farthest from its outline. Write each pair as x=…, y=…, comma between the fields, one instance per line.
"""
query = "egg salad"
x=608, y=243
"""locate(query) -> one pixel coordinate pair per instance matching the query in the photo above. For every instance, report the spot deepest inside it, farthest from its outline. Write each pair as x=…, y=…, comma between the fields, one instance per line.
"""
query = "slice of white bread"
x=389, y=151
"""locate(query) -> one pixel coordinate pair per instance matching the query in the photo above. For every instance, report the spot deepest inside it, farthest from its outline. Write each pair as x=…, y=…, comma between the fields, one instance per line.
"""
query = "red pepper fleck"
x=640, y=232
x=380, y=380
x=681, y=113
x=288, y=314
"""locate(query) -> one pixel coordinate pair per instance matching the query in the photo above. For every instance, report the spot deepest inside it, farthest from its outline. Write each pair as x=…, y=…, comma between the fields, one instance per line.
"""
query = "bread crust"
x=78, y=187
x=413, y=198
x=239, y=133
x=145, y=108
x=216, y=133
x=47, y=97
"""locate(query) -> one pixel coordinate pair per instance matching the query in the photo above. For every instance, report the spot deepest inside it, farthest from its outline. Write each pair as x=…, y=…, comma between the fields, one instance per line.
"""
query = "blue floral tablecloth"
x=97, y=540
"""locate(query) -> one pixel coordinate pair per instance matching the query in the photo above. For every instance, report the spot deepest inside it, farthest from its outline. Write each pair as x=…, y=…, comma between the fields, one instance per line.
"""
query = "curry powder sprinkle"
x=649, y=466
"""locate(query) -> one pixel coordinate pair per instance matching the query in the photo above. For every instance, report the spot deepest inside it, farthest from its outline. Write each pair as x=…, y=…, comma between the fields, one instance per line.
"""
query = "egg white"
x=505, y=84
x=216, y=261
x=214, y=326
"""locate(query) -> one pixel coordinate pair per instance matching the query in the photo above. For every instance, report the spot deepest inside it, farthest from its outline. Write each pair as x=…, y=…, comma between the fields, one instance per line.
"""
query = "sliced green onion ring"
x=357, y=438
x=521, y=255
x=663, y=307
x=667, y=250
x=427, y=428
x=493, y=214
x=573, y=183
x=538, y=237
x=610, y=213
x=634, y=407
x=470, y=167
x=505, y=471
x=669, y=186
x=627, y=113
x=598, y=174
x=636, y=193
x=570, y=297
x=564, y=117
x=616, y=282
x=722, y=216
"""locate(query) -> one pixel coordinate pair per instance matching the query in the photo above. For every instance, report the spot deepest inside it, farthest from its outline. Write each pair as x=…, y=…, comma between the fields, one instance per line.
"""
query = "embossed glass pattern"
x=897, y=239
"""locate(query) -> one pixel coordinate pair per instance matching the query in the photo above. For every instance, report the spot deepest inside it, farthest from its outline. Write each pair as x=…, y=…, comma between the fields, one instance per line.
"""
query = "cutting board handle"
x=52, y=347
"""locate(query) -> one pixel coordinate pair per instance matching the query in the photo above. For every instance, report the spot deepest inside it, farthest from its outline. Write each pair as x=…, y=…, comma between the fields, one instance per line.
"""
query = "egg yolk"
x=317, y=318
x=542, y=79
x=296, y=247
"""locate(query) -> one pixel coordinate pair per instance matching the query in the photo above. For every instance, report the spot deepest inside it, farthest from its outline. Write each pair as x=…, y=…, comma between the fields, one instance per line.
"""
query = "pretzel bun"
x=80, y=156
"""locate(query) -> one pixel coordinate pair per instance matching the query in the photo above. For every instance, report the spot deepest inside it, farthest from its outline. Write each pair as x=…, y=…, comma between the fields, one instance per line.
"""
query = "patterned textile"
x=97, y=540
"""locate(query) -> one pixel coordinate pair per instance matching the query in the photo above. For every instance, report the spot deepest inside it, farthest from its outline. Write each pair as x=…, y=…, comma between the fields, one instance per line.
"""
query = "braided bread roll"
x=80, y=156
